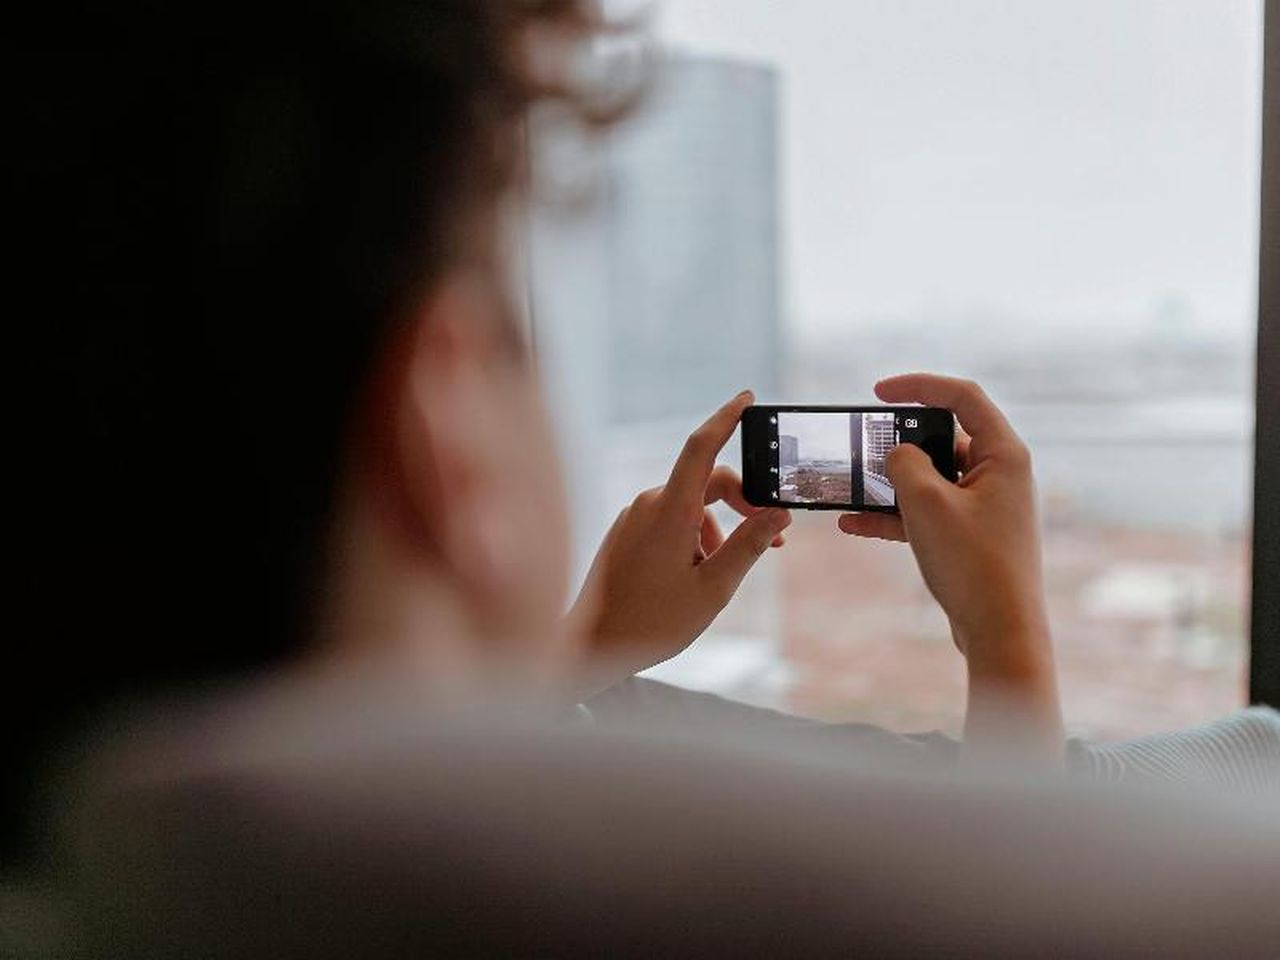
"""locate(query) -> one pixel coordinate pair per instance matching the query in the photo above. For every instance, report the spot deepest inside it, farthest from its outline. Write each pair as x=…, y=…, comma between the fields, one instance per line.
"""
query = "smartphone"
x=833, y=458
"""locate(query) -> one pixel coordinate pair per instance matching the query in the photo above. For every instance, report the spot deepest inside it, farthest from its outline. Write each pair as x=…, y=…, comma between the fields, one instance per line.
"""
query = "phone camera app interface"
x=836, y=458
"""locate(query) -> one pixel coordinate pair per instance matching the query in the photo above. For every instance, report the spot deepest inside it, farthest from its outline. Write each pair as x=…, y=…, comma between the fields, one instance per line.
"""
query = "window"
x=1057, y=199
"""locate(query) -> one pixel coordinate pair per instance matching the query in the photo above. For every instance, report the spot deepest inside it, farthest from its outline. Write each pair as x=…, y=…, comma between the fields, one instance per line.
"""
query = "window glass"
x=1058, y=199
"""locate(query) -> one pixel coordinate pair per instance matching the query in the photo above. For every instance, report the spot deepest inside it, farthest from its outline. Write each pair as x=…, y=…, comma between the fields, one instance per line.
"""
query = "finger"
x=692, y=470
x=962, y=451
x=877, y=526
x=725, y=568
x=914, y=476
x=968, y=401
x=725, y=484
x=712, y=537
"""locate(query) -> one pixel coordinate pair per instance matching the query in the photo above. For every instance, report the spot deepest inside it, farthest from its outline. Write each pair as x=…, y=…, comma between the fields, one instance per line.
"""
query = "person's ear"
x=448, y=406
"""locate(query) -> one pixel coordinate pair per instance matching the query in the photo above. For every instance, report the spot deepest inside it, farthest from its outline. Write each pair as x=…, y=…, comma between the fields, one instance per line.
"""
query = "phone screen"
x=834, y=457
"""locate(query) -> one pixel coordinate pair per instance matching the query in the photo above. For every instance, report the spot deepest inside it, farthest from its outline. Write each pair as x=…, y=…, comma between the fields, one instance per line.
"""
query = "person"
x=286, y=382
x=288, y=427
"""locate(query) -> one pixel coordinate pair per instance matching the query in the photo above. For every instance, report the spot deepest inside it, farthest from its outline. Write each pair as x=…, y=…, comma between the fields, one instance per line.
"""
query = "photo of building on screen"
x=815, y=462
x=878, y=438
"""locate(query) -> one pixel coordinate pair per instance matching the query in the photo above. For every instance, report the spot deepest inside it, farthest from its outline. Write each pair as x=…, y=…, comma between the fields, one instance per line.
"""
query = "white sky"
x=822, y=436
x=1087, y=159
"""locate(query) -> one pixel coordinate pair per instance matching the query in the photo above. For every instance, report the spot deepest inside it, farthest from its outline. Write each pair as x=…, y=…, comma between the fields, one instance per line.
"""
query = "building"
x=692, y=209
x=788, y=451
x=653, y=259
x=878, y=437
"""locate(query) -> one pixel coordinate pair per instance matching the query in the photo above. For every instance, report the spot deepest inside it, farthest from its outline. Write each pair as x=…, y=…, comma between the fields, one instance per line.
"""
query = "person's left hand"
x=665, y=569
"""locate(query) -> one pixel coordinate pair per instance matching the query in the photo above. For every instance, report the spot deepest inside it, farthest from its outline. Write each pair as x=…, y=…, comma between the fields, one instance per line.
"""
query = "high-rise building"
x=692, y=209
x=653, y=296
x=788, y=451
x=878, y=439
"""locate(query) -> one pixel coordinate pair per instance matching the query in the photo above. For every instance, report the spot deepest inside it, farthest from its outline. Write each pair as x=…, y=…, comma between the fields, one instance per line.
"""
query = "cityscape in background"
x=1140, y=426
x=1143, y=455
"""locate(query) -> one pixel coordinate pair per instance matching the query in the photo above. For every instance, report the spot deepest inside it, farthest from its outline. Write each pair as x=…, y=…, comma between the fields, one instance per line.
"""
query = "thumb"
x=727, y=566
x=914, y=478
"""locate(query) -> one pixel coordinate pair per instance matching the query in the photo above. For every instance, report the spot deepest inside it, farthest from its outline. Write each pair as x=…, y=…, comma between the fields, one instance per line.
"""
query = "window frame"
x=1264, y=652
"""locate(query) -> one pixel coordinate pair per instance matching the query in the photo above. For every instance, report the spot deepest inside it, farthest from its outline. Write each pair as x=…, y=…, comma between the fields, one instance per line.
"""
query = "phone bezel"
x=757, y=457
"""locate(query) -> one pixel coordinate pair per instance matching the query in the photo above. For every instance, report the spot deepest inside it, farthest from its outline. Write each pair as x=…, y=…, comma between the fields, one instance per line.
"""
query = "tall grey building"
x=879, y=436
x=692, y=234
x=788, y=451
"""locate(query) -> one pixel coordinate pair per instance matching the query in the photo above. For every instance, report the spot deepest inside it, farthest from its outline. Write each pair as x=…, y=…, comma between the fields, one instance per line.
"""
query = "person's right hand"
x=977, y=541
x=665, y=569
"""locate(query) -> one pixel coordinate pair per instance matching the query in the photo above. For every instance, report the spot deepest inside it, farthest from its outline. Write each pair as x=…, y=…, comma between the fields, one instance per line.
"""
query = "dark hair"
x=222, y=210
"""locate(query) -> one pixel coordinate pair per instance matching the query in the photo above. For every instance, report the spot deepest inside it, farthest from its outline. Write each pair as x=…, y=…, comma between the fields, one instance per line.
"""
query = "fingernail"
x=744, y=395
x=779, y=520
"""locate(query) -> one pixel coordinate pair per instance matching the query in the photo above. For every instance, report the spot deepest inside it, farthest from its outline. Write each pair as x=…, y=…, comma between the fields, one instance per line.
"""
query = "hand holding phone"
x=835, y=458
x=977, y=542
x=665, y=569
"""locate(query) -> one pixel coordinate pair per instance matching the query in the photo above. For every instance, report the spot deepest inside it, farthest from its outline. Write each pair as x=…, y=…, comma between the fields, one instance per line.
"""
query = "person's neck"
x=391, y=603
